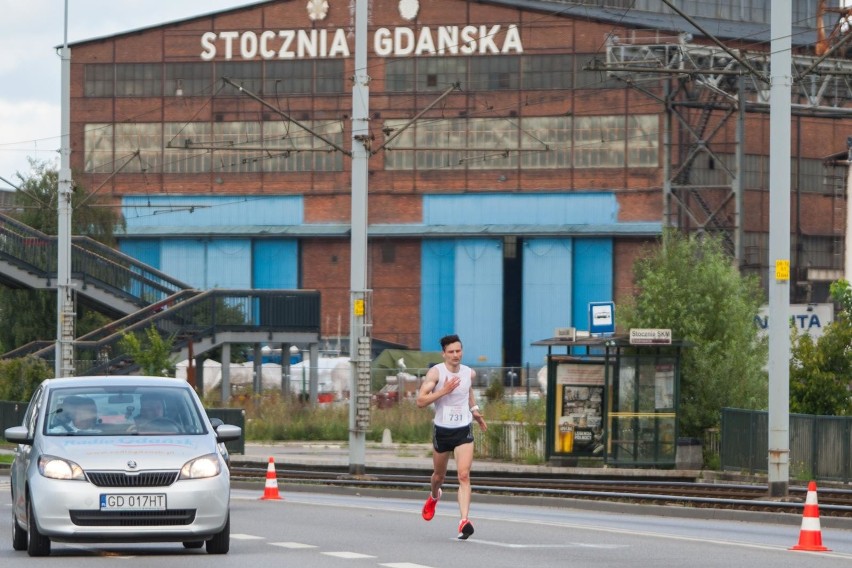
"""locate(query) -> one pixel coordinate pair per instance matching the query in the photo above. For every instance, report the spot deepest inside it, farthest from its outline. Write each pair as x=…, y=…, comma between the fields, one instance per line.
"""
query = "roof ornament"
x=317, y=9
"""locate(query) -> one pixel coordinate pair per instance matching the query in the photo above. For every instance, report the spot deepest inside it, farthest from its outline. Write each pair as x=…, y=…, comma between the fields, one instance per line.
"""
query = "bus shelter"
x=612, y=400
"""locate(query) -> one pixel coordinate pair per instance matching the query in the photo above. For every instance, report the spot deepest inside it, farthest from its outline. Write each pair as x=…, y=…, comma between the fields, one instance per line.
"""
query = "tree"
x=820, y=370
x=153, y=352
x=689, y=285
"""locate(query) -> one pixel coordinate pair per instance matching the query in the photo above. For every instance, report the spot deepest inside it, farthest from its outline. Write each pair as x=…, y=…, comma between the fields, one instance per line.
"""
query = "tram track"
x=833, y=502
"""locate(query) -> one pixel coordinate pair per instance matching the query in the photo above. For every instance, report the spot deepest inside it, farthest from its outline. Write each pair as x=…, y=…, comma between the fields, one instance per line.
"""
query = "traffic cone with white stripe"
x=810, y=537
x=270, y=491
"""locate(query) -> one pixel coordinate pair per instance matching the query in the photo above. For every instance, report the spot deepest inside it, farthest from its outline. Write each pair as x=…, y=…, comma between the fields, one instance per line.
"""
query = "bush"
x=20, y=377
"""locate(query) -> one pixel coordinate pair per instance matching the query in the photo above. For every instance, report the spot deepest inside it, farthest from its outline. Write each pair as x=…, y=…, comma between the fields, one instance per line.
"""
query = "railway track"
x=833, y=502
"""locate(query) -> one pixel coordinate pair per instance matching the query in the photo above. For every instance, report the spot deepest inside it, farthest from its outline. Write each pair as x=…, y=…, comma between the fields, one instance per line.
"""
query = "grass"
x=273, y=418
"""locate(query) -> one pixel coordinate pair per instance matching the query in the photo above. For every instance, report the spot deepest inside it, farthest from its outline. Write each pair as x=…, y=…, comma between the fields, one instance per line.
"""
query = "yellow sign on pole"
x=358, y=307
x=782, y=270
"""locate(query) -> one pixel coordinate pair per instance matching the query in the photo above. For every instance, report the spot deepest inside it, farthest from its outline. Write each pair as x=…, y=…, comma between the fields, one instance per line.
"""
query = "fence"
x=510, y=441
x=820, y=446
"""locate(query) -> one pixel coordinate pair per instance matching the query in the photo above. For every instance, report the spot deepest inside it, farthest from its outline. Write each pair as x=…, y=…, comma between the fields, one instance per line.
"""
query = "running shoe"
x=429, y=507
x=465, y=529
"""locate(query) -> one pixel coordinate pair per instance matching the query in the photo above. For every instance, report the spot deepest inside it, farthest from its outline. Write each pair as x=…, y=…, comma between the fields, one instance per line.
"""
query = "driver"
x=151, y=407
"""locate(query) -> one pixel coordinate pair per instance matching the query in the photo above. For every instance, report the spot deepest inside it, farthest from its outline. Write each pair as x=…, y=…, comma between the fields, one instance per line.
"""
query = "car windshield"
x=120, y=411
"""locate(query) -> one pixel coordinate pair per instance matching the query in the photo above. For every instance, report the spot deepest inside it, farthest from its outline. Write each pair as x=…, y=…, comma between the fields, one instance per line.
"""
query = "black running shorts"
x=447, y=439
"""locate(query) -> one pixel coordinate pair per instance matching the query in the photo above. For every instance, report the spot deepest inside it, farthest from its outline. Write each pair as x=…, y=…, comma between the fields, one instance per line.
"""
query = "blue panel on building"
x=207, y=211
x=479, y=300
x=229, y=263
x=275, y=264
x=437, y=292
x=547, y=293
x=507, y=209
x=592, y=277
x=185, y=259
x=143, y=250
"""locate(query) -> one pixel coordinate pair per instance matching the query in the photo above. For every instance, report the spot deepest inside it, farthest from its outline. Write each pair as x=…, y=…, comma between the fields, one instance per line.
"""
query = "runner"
x=448, y=386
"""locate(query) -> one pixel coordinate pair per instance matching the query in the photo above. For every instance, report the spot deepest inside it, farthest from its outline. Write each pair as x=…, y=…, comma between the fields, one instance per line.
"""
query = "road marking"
x=293, y=545
x=563, y=545
x=239, y=536
x=348, y=555
x=404, y=565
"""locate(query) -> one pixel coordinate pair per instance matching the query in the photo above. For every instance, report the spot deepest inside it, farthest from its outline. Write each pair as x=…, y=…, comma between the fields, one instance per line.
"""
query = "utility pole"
x=780, y=101
x=64, y=365
x=359, y=328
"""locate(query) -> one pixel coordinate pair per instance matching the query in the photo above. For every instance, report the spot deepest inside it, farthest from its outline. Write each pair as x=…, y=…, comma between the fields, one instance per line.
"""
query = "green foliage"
x=820, y=371
x=689, y=285
x=495, y=390
x=20, y=377
x=152, y=352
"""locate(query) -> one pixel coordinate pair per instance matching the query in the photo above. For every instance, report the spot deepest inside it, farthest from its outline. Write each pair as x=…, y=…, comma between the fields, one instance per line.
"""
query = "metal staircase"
x=143, y=297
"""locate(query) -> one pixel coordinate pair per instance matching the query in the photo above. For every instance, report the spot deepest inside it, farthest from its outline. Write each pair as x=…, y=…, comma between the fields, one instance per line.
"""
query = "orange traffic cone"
x=810, y=537
x=270, y=491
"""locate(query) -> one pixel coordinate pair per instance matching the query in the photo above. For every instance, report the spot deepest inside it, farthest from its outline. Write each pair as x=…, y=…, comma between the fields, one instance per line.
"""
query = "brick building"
x=525, y=189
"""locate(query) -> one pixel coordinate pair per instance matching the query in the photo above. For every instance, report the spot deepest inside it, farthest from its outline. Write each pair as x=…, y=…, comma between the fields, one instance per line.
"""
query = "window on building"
x=189, y=79
x=138, y=147
x=547, y=71
x=98, y=151
x=138, y=80
x=246, y=74
x=184, y=148
x=480, y=143
x=99, y=80
x=290, y=148
x=494, y=73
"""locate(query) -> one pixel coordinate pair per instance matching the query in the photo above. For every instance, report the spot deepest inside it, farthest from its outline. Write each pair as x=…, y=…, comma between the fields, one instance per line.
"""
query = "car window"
x=32, y=413
x=119, y=411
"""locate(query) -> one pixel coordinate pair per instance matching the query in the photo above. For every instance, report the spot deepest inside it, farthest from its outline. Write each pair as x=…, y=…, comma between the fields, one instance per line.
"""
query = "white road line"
x=238, y=536
x=563, y=545
x=348, y=555
x=404, y=565
x=293, y=545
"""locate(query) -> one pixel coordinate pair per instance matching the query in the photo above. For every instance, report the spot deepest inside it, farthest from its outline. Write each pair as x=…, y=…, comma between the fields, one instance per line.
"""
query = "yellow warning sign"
x=782, y=270
x=358, y=307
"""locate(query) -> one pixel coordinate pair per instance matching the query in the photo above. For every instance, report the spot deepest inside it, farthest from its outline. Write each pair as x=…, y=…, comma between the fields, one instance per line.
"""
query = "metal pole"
x=359, y=340
x=847, y=259
x=780, y=100
x=64, y=365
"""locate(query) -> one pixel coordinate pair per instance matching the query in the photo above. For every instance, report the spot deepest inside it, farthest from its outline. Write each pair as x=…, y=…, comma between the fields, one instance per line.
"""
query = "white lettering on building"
x=397, y=42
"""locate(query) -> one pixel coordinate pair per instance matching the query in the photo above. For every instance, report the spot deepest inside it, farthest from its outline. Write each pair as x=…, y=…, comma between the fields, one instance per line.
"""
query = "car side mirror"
x=18, y=435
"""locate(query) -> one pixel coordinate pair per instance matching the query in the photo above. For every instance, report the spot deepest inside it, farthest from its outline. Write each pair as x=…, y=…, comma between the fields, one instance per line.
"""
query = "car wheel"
x=193, y=544
x=37, y=543
x=19, y=535
x=221, y=542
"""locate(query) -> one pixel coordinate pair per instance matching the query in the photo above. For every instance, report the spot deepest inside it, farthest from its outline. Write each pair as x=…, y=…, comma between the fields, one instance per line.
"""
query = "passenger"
x=75, y=414
x=449, y=386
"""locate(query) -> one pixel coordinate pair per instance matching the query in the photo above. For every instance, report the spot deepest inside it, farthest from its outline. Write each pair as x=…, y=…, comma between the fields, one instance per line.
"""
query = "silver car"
x=119, y=459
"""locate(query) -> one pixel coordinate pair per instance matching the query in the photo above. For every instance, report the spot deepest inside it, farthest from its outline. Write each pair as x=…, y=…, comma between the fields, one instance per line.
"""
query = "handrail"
x=91, y=262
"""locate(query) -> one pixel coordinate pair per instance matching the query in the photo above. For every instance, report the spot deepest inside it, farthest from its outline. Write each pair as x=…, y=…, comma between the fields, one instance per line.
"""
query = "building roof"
x=645, y=230
x=630, y=17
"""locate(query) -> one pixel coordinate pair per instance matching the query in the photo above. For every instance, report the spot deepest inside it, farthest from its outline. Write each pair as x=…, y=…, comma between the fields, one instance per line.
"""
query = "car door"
x=23, y=452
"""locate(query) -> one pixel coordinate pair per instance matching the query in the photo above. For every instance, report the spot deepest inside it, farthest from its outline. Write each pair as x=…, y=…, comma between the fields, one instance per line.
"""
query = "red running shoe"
x=465, y=529
x=429, y=506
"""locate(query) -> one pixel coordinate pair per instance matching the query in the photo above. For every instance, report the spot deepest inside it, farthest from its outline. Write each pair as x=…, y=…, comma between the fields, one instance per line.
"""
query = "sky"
x=30, y=67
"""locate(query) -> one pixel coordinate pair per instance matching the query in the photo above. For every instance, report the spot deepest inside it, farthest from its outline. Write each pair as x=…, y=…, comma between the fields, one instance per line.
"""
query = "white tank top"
x=452, y=410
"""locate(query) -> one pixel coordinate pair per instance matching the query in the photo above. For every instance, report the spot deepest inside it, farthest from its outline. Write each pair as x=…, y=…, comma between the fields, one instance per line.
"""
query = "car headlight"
x=53, y=467
x=199, y=468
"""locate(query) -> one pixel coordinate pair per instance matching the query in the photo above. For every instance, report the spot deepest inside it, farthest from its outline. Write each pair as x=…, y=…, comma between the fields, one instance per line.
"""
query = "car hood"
x=114, y=453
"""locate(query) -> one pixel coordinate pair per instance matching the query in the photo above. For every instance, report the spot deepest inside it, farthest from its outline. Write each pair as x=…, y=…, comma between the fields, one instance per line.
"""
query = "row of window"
x=461, y=143
x=304, y=77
